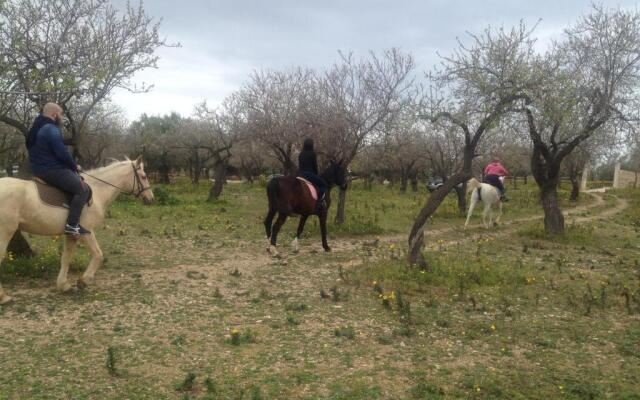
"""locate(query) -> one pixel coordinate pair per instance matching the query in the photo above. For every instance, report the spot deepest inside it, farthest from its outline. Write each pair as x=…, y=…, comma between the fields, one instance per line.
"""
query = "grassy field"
x=189, y=305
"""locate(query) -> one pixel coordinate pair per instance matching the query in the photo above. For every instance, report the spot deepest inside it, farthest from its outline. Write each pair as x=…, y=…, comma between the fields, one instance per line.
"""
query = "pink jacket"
x=496, y=169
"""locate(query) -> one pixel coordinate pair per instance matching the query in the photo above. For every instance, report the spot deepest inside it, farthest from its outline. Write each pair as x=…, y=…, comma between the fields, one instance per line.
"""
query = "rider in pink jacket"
x=492, y=174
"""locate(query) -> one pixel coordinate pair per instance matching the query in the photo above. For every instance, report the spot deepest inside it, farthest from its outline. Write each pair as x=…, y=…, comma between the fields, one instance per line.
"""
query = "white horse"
x=21, y=208
x=489, y=195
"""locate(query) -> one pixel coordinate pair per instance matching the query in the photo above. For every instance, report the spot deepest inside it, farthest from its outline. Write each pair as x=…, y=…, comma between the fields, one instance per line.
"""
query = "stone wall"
x=623, y=178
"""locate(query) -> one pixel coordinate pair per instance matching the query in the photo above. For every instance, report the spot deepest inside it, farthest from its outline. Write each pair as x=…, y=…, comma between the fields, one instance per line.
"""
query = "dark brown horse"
x=288, y=196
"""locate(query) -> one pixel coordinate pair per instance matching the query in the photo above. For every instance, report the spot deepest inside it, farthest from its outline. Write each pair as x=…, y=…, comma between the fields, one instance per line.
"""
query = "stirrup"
x=75, y=230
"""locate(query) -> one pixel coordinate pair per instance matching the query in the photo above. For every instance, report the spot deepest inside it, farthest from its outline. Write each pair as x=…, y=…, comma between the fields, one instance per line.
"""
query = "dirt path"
x=572, y=215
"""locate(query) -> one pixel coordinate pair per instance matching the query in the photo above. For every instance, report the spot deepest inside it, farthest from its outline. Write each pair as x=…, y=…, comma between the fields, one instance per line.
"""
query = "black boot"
x=503, y=198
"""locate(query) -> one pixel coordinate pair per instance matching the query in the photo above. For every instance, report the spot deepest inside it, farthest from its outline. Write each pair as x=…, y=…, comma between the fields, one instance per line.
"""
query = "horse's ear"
x=138, y=161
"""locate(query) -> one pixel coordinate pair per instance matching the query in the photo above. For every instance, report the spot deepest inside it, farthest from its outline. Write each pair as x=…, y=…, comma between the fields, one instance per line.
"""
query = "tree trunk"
x=414, y=183
x=19, y=246
x=404, y=180
x=342, y=200
x=220, y=169
x=525, y=179
x=416, y=237
x=164, y=168
x=368, y=182
x=575, y=189
x=553, y=218
x=461, y=192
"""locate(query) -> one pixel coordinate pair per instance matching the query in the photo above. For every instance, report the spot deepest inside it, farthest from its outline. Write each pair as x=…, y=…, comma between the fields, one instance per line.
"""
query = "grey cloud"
x=251, y=34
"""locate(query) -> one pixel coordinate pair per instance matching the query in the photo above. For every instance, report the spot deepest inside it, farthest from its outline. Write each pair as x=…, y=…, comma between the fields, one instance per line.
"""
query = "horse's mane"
x=113, y=164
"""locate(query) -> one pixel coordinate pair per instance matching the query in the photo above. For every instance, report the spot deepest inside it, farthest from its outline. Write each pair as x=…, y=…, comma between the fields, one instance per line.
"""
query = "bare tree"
x=105, y=126
x=586, y=82
x=443, y=154
x=219, y=130
x=361, y=95
x=249, y=158
x=274, y=105
x=404, y=144
x=73, y=52
x=477, y=86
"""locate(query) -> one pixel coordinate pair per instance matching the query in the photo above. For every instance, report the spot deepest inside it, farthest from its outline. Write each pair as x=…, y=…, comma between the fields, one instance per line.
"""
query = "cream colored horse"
x=21, y=208
x=489, y=195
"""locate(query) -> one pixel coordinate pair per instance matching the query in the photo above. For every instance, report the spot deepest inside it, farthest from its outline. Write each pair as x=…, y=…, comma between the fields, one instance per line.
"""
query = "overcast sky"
x=223, y=41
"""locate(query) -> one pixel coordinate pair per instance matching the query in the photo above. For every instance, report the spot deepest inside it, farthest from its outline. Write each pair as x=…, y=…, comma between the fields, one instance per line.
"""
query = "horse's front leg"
x=4, y=242
x=295, y=244
x=70, y=245
x=96, y=260
x=323, y=229
x=499, y=212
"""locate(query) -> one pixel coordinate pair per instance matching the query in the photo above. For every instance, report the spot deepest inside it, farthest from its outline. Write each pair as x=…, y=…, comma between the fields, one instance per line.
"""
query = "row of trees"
x=547, y=114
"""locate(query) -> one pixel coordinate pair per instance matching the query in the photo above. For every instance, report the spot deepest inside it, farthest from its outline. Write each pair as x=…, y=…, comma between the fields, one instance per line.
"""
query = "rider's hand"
x=79, y=168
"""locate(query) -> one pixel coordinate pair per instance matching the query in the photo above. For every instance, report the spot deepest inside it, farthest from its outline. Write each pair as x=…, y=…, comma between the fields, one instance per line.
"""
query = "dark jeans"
x=494, y=180
x=70, y=182
x=317, y=181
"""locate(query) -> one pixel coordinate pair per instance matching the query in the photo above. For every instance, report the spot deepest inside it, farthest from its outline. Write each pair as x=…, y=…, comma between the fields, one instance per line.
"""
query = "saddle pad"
x=52, y=196
x=312, y=188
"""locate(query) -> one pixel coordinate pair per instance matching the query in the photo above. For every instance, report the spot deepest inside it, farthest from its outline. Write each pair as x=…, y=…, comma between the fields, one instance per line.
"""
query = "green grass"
x=508, y=313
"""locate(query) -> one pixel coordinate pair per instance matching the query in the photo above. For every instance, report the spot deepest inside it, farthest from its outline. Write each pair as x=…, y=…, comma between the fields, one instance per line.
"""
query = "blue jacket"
x=46, y=148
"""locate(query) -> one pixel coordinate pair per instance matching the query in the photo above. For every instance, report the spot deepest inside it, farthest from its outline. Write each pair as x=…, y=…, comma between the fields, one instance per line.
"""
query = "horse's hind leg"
x=294, y=244
x=474, y=201
x=487, y=213
x=274, y=232
x=96, y=260
x=70, y=245
x=5, y=237
x=268, y=222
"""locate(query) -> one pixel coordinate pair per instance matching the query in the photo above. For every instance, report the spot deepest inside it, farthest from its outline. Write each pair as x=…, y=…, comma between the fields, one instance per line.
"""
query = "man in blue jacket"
x=50, y=161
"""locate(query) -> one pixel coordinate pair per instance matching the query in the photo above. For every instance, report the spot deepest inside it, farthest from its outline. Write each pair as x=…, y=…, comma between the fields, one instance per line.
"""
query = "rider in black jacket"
x=308, y=169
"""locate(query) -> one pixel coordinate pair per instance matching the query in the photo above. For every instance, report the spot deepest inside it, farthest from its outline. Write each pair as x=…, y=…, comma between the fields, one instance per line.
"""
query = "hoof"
x=272, y=250
x=327, y=249
x=5, y=299
x=64, y=288
x=82, y=284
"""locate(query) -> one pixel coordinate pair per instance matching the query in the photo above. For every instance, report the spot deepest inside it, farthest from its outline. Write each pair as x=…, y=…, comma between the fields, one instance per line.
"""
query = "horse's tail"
x=273, y=191
x=472, y=184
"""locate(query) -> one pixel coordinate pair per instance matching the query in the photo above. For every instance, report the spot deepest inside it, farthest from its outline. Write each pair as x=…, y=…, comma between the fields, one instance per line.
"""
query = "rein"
x=137, y=183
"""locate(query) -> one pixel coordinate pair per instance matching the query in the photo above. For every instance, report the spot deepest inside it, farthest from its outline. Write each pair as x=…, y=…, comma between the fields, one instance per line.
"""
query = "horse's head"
x=338, y=174
x=141, y=185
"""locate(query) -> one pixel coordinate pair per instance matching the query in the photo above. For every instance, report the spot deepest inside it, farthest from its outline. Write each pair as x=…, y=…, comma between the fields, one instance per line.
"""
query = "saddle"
x=52, y=196
x=312, y=188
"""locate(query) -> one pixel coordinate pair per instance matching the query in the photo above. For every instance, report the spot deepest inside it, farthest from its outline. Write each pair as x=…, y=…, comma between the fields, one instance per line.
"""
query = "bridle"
x=138, y=186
